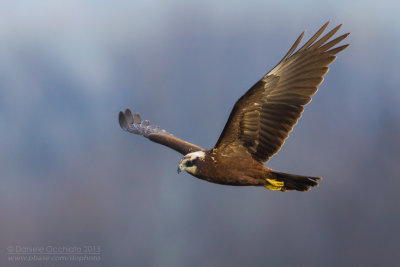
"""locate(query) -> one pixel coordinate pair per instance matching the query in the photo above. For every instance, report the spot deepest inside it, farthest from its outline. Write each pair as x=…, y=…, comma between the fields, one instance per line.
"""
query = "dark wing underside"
x=134, y=124
x=263, y=117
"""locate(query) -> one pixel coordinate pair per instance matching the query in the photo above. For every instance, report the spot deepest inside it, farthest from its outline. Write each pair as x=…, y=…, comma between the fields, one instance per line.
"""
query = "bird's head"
x=190, y=162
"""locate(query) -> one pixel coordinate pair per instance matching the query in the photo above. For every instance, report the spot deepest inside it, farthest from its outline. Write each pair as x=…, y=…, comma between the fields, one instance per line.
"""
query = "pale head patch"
x=194, y=155
x=188, y=161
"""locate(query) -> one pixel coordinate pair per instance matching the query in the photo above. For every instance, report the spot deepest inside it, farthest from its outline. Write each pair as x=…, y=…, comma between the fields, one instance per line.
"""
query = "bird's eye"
x=189, y=163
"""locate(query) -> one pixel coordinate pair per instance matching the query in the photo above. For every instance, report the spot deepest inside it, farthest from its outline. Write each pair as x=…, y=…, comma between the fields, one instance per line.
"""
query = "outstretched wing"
x=263, y=117
x=134, y=124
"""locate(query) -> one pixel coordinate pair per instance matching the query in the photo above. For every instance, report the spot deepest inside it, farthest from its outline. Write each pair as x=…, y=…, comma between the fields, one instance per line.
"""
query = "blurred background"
x=70, y=177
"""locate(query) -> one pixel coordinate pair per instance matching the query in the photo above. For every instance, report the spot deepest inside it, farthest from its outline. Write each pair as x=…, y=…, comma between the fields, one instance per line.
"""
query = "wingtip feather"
x=314, y=37
x=123, y=123
x=129, y=116
x=325, y=38
x=338, y=49
x=136, y=118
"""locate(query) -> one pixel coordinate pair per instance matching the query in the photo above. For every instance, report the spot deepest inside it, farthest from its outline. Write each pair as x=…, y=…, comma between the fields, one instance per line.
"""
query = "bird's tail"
x=285, y=181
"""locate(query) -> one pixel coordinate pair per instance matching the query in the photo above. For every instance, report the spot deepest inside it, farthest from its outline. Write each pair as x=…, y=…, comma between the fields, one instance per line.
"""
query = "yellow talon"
x=271, y=187
x=274, y=184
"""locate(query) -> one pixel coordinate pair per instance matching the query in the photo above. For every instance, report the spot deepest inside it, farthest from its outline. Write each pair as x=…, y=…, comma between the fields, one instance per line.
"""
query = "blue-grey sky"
x=71, y=177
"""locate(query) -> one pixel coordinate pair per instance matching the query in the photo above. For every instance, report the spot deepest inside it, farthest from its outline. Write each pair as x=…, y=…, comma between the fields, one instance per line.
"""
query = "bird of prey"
x=259, y=122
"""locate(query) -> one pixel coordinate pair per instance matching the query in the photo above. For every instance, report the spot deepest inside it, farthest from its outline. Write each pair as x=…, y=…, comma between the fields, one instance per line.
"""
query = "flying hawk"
x=259, y=122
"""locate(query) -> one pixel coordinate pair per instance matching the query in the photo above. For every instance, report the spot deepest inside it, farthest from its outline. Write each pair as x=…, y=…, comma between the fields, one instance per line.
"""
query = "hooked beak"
x=180, y=167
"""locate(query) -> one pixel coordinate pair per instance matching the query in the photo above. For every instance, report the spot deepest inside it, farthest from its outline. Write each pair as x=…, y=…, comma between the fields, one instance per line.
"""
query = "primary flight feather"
x=259, y=123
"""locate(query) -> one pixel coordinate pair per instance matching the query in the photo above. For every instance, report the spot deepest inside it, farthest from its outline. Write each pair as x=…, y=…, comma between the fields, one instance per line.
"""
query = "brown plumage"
x=259, y=122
